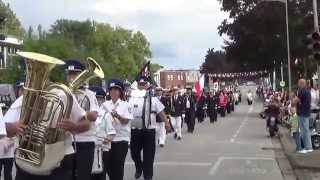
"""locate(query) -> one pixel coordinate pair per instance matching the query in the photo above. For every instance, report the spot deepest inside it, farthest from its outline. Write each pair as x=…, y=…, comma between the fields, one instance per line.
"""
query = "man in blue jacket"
x=303, y=111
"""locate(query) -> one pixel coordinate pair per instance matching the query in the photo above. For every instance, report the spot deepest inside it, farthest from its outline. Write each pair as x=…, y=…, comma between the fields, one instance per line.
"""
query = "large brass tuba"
x=41, y=147
x=92, y=70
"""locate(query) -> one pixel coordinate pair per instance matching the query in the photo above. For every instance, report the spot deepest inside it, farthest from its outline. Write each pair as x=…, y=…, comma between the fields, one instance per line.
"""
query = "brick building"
x=176, y=78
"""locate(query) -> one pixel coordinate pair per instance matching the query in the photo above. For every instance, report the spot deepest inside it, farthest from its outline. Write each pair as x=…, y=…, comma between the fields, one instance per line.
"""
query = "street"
x=237, y=147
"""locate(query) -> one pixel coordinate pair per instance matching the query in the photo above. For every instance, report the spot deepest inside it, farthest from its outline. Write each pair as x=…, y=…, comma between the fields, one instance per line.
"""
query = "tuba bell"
x=41, y=147
x=92, y=70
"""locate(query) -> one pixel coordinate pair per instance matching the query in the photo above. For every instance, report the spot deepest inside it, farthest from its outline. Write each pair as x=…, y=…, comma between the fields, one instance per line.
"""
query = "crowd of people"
x=296, y=110
x=105, y=123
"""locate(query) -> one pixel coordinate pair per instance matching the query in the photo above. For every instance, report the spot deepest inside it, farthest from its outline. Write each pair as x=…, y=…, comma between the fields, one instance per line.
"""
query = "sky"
x=179, y=31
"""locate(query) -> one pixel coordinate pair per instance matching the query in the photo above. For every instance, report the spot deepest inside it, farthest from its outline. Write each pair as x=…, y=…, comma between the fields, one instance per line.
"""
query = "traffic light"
x=314, y=45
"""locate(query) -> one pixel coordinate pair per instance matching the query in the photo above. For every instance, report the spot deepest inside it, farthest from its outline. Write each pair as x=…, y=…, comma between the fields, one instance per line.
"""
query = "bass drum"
x=97, y=166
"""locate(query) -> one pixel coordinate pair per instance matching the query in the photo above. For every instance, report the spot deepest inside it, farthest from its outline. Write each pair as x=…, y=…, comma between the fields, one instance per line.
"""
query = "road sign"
x=282, y=84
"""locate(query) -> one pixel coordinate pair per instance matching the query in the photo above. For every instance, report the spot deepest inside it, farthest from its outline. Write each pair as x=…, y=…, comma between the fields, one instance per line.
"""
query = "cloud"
x=179, y=31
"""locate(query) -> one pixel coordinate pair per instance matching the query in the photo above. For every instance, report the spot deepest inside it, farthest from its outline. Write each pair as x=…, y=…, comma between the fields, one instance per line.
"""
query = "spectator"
x=303, y=111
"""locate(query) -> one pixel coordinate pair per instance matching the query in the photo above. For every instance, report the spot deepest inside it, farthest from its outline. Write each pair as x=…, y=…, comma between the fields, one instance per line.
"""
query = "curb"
x=309, y=161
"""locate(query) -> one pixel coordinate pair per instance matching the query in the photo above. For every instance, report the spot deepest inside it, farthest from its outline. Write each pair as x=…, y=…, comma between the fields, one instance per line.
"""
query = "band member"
x=3, y=131
x=8, y=144
x=76, y=124
x=85, y=141
x=7, y=156
x=190, y=104
x=105, y=133
x=176, y=111
x=200, y=107
x=223, y=102
x=161, y=129
x=145, y=109
x=212, y=107
x=121, y=117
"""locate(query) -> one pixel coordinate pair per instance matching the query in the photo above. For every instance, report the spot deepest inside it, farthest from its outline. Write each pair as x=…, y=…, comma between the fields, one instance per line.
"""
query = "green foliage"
x=12, y=24
x=257, y=32
x=119, y=51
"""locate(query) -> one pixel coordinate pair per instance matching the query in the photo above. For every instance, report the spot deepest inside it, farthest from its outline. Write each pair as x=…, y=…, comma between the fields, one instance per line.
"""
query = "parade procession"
x=77, y=131
x=159, y=90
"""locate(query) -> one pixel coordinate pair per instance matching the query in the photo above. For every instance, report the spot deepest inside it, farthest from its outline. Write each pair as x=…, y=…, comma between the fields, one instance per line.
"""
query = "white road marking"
x=242, y=124
x=173, y=163
x=216, y=165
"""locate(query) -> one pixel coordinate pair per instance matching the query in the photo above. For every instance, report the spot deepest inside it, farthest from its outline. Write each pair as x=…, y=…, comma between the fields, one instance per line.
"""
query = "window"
x=171, y=77
x=168, y=77
x=181, y=77
x=178, y=77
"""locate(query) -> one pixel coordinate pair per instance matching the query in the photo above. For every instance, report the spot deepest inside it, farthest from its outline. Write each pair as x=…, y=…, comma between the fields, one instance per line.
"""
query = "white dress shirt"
x=136, y=102
x=123, y=131
x=89, y=136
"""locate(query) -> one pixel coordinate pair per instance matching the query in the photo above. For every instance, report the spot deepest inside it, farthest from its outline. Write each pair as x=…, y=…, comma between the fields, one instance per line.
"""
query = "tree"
x=12, y=24
x=258, y=37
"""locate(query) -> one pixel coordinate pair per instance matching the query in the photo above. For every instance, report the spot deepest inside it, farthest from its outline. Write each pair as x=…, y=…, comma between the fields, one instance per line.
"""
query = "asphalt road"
x=235, y=148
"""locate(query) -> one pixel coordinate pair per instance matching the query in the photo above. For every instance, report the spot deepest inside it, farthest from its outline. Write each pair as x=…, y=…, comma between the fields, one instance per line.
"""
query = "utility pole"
x=316, y=28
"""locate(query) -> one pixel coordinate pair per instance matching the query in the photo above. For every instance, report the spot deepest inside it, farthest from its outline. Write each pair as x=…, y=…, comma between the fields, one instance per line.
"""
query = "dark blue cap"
x=115, y=83
x=74, y=65
x=98, y=90
x=20, y=81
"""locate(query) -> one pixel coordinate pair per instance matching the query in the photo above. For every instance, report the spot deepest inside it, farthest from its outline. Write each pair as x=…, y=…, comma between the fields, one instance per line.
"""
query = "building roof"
x=11, y=41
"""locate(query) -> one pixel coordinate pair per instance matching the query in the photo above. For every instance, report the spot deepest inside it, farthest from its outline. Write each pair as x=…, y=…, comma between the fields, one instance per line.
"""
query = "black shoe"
x=175, y=135
x=162, y=145
x=138, y=174
x=179, y=138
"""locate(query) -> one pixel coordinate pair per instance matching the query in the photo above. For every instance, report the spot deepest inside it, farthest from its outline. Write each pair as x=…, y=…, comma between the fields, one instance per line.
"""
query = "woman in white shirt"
x=118, y=111
x=105, y=133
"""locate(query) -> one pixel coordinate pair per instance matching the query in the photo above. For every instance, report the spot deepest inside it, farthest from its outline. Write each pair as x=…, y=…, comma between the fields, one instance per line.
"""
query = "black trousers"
x=213, y=115
x=200, y=115
x=143, y=140
x=118, y=153
x=223, y=111
x=190, y=119
x=83, y=160
x=7, y=164
x=106, y=160
x=64, y=172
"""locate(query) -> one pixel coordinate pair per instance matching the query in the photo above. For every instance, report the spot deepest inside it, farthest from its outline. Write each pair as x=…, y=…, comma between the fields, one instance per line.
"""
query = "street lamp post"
x=288, y=47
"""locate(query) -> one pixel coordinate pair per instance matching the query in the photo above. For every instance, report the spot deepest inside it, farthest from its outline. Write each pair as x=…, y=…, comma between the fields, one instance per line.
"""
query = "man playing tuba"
x=75, y=121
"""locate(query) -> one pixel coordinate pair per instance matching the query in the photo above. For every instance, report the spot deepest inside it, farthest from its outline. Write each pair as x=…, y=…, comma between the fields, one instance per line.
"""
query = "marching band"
x=96, y=127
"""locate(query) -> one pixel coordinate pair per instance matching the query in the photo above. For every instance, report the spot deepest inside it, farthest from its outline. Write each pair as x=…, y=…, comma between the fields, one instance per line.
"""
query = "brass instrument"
x=93, y=70
x=41, y=147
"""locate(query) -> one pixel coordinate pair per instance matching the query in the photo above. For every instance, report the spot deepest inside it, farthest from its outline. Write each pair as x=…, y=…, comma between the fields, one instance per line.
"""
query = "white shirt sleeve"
x=13, y=113
x=3, y=131
x=77, y=112
x=158, y=105
x=94, y=105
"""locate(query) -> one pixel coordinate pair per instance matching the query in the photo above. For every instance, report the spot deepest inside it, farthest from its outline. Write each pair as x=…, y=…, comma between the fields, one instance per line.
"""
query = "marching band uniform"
x=104, y=131
x=64, y=172
x=85, y=141
x=3, y=131
x=7, y=145
x=200, y=108
x=120, y=143
x=176, y=112
x=161, y=129
x=212, y=107
x=190, y=104
x=145, y=108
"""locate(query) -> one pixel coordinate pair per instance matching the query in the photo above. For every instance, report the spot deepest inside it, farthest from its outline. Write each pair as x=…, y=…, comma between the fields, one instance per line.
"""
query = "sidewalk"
x=306, y=166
